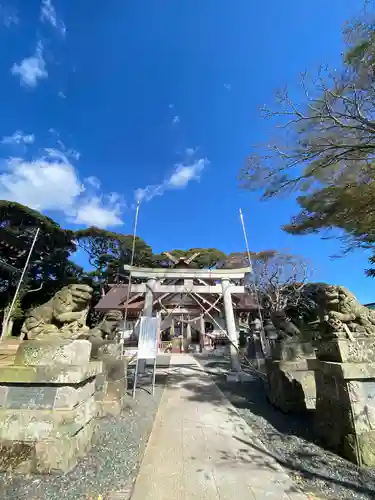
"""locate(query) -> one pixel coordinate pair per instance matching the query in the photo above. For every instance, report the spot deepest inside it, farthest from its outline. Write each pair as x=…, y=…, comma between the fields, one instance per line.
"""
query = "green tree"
x=50, y=266
x=108, y=252
x=325, y=150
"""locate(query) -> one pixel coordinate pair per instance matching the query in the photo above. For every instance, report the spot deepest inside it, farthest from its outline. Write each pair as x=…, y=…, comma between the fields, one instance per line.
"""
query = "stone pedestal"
x=8, y=349
x=47, y=406
x=345, y=407
x=342, y=350
x=291, y=383
x=112, y=384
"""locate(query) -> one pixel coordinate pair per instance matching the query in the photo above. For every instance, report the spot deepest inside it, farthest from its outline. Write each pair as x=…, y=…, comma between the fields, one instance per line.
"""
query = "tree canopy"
x=325, y=148
x=108, y=252
x=53, y=265
x=50, y=266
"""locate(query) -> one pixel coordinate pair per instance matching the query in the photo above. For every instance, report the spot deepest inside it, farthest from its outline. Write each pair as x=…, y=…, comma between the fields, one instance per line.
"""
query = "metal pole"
x=5, y=323
x=246, y=241
x=262, y=333
x=154, y=377
x=135, y=378
x=130, y=275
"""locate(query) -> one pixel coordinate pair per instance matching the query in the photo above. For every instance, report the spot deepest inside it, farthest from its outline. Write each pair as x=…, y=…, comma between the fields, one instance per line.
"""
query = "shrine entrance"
x=187, y=298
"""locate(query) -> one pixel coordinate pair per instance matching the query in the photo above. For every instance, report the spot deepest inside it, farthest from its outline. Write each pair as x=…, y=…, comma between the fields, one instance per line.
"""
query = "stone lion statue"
x=105, y=332
x=107, y=329
x=339, y=311
x=63, y=316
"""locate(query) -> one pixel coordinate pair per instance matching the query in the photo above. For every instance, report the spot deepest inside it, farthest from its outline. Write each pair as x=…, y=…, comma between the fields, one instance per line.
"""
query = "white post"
x=5, y=323
x=147, y=311
x=231, y=325
x=188, y=335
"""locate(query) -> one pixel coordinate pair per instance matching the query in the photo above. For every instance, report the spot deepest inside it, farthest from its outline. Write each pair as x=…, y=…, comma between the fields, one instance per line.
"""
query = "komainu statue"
x=108, y=328
x=339, y=311
x=105, y=332
x=62, y=317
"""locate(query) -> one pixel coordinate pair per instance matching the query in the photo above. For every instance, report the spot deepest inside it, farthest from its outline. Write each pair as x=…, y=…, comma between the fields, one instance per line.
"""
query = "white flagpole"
x=122, y=339
x=262, y=333
x=246, y=241
x=6, y=321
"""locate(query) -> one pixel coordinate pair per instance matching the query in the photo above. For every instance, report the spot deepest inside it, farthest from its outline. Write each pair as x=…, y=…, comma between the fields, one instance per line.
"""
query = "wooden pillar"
x=231, y=325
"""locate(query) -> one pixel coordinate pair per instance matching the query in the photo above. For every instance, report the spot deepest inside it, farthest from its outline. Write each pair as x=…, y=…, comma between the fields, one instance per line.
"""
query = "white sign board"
x=148, y=337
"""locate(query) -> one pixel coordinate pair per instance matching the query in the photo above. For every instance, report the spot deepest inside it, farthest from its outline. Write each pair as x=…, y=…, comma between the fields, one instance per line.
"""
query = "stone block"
x=341, y=350
x=48, y=406
x=291, y=349
x=46, y=456
x=53, y=353
x=8, y=349
x=345, y=409
x=49, y=374
x=69, y=396
x=291, y=385
x=36, y=425
x=112, y=384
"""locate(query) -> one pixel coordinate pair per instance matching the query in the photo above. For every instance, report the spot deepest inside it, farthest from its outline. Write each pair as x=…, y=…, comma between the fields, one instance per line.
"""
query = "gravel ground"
x=108, y=470
x=290, y=439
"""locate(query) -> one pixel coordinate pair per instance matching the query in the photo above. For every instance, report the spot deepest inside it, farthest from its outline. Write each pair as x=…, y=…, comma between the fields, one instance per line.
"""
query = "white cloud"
x=175, y=120
x=99, y=211
x=180, y=178
x=48, y=15
x=186, y=173
x=9, y=16
x=93, y=181
x=190, y=151
x=51, y=183
x=43, y=184
x=18, y=138
x=32, y=69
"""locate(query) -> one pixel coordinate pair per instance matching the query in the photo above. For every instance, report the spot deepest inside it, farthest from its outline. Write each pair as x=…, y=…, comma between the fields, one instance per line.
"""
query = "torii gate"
x=223, y=286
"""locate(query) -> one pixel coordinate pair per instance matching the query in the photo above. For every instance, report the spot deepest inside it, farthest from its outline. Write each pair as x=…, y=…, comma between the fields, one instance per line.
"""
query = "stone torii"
x=223, y=286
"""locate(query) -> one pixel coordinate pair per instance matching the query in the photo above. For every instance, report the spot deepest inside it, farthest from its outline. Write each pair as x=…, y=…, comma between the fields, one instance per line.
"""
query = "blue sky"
x=159, y=99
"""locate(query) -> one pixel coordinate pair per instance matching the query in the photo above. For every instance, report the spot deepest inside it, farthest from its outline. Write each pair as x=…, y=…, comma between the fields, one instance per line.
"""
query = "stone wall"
x=345, y=406
x=47, y=406
x=291, y=383
x=112, y=383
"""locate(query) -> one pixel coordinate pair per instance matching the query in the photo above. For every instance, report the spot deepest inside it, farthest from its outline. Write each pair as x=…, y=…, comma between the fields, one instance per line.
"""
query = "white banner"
x=148, y=337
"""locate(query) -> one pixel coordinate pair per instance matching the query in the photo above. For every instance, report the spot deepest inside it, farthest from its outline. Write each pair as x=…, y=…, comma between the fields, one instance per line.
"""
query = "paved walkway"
x=201, y=449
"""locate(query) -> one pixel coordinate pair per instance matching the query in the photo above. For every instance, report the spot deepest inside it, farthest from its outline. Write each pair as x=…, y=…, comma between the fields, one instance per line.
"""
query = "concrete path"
x=201, y=449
